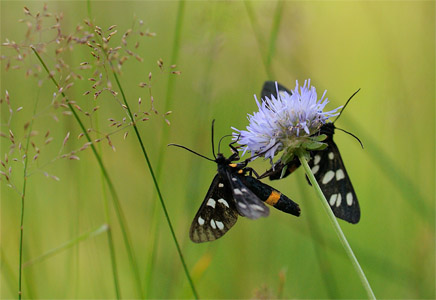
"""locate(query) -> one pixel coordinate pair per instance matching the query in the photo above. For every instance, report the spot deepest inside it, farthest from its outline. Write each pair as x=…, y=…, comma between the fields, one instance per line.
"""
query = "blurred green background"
x=225, y=51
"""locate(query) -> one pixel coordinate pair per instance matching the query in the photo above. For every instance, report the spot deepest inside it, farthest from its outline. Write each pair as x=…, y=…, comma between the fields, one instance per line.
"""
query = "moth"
x=234, y=192
x=327, y=166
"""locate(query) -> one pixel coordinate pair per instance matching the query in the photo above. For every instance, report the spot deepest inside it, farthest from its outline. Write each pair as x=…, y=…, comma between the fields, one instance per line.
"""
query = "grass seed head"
x=66, y=138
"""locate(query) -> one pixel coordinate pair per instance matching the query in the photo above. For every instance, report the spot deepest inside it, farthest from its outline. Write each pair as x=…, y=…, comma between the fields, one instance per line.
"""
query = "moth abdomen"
x=271, y=196
x=283, y=203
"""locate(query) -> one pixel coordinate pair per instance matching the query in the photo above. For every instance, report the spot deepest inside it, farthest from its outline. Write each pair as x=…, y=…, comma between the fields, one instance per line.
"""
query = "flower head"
x=284, y=123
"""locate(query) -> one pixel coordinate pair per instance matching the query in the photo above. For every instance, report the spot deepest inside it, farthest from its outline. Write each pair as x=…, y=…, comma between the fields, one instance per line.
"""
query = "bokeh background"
x=225, y=51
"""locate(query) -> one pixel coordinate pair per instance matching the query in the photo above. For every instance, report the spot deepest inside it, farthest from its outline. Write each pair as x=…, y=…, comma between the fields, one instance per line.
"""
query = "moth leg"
x=251, y=171
x=234, y=149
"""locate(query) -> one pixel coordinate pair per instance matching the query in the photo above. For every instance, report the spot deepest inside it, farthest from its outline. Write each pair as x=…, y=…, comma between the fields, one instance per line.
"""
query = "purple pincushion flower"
x=285, y=123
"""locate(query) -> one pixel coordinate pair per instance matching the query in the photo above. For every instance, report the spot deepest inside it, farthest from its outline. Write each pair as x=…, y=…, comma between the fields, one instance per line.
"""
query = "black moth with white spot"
x=234, y=191
x=326, y=165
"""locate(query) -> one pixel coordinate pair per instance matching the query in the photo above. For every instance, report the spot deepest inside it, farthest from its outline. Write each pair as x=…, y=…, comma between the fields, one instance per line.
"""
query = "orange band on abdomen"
x=273, y=198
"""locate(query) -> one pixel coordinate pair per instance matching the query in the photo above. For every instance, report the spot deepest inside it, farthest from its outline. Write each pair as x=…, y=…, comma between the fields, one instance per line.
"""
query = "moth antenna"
x=346, y=103
x=219, y=144
x=352, y=136
x=213, y=144
x=196, y=153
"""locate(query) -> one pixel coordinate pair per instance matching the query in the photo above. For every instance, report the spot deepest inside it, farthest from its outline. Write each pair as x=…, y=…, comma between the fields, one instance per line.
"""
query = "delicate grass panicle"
x=109, y=50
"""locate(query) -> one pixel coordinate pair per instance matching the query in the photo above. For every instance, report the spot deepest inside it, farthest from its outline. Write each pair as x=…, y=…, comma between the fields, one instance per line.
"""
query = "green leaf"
x=283, y=171
x=287, y=157
x=319, y=138
x=314, y=145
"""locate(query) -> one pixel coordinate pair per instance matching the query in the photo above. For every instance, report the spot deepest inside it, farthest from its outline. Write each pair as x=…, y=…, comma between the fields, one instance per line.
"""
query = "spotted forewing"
x=217, y=213
x=332, y=177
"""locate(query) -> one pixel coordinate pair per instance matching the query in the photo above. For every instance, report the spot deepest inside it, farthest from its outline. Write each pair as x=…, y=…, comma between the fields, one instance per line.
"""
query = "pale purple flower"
x=285, y=122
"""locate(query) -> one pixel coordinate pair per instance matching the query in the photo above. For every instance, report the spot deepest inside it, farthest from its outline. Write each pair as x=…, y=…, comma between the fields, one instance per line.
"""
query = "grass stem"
x=164, y=141
x=23, y=194
x=118, y=209
x=337, y=228
x=259, y=38
x=156, y=185
x=273, y=36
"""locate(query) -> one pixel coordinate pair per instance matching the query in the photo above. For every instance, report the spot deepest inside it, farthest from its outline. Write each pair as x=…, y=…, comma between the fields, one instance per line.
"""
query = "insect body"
x=327, y=166
x=233, y=192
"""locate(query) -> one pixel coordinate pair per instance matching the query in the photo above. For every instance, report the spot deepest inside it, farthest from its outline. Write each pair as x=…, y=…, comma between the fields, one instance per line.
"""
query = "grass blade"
x=164, y=141
x=156, y=185
x=273, y=36
x=259, y=38
x=68, y=244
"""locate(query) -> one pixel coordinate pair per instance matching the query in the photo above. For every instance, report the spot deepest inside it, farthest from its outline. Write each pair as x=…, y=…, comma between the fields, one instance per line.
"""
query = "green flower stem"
x=156, y=185
x=337, y=228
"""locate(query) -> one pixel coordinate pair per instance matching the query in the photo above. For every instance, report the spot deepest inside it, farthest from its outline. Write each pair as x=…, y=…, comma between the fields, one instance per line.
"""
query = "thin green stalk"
x=170, y=84
x=152, y=248
x=106, y=207
x=319, y=246
x=110, y=237
x=22, y=231
x=23, y=194
x=175, y=52
x=273, y=35
x=337, y=228
x=29, y=284
x=109, y=231
x=113, y=262
x=259, y=38
x=118, y=209
x=164, y=139
x=156, y=185
x=88, y=9
x=68, y=244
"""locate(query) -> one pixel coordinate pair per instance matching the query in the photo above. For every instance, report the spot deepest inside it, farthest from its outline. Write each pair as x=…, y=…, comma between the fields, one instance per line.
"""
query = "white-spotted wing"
x=247, y=203
x=332, y=177
x=217, y=213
